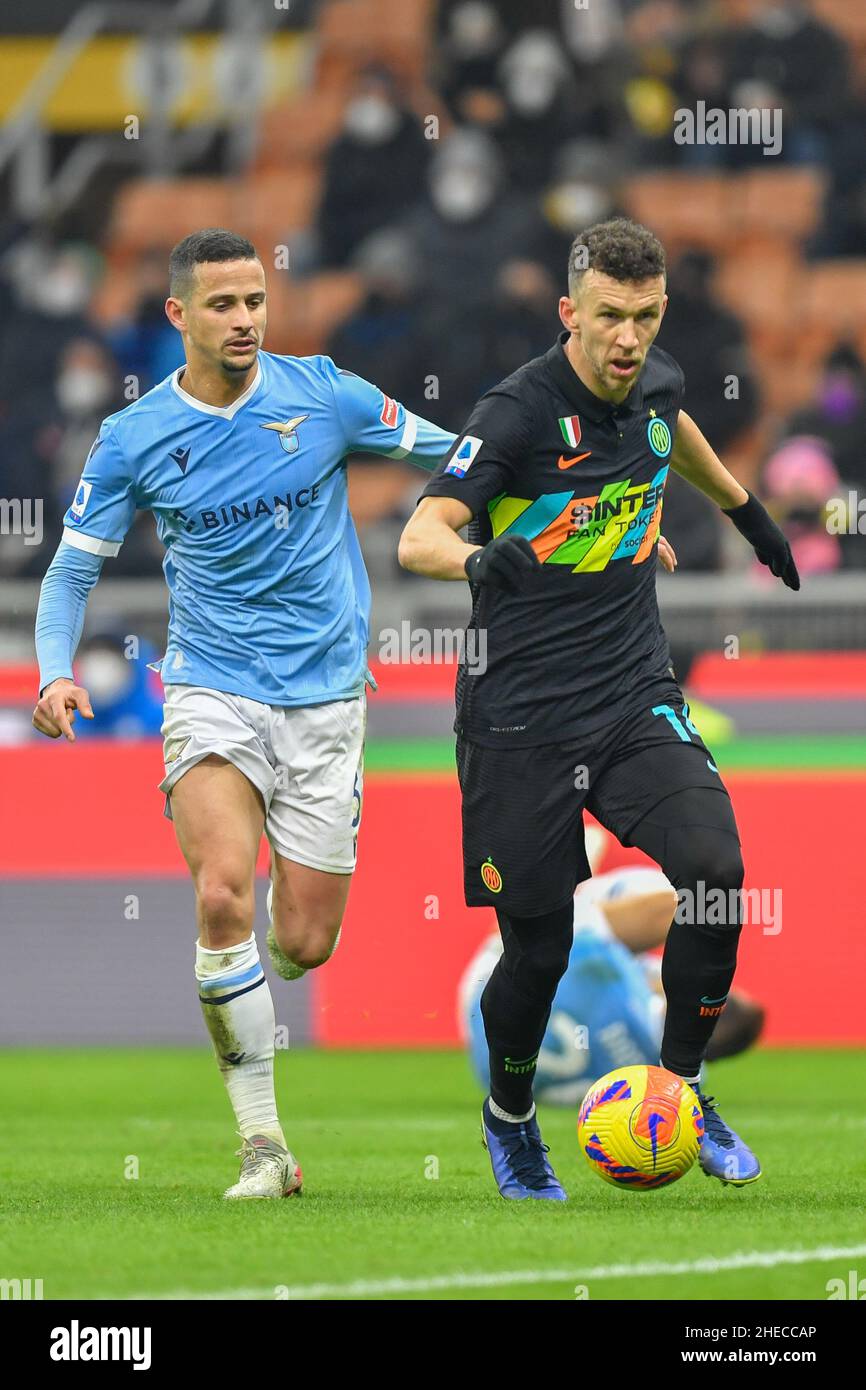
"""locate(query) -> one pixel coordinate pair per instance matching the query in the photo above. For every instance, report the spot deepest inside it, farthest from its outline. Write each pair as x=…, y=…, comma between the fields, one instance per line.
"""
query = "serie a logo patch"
x=461, y=460
x=79, y=502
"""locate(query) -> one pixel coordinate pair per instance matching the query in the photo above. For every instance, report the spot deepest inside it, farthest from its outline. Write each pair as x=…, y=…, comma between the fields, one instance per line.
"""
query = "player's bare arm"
x=430, y=544
x=695, y=460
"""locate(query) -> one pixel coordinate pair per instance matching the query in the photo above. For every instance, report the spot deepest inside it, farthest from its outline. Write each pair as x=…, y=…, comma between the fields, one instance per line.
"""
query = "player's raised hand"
x=667, y=555
x=55, y=711
x=506, y=563
x=754, y=522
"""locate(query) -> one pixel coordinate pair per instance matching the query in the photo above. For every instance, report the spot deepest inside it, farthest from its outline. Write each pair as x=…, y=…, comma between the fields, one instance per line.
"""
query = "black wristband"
x=745, y=510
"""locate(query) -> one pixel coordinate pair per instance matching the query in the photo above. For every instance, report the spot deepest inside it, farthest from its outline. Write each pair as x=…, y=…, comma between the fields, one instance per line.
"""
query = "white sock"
x=239, y=1014
x=512, y=1119
x=692, y=1080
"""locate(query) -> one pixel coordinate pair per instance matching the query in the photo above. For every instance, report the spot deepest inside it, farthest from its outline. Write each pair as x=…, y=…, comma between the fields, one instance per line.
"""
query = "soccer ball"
x=640, y=1127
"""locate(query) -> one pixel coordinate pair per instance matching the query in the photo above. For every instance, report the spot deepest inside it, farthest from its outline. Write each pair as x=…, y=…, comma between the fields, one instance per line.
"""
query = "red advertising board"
x=93, y=810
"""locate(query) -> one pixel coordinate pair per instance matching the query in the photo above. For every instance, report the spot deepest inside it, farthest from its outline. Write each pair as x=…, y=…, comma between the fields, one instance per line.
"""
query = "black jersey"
x=583, y=479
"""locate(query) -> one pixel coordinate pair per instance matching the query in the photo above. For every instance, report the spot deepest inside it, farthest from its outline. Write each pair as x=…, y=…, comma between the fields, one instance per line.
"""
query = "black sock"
x=693, y=836
x=517, y=999
x=698, y=965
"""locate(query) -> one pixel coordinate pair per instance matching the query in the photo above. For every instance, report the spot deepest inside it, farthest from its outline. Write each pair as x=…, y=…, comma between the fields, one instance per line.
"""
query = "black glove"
x=754, y=522
x=505, y=563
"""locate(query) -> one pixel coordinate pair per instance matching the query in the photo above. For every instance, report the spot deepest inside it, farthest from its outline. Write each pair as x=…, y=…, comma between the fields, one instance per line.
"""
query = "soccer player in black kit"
x=561, y=472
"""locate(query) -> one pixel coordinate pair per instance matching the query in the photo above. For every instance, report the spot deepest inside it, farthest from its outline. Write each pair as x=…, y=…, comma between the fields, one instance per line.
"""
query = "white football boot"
x=267, y=1170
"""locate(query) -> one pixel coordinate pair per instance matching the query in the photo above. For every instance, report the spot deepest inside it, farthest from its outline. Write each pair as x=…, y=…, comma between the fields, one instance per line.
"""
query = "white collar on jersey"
x=228, y=412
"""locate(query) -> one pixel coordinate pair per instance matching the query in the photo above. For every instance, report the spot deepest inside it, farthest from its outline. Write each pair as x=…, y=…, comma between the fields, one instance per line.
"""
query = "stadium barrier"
x=72, y=815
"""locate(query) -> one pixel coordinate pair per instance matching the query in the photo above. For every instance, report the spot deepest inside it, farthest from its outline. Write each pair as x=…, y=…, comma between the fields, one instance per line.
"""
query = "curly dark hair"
x=210, y=244
x=620, y=248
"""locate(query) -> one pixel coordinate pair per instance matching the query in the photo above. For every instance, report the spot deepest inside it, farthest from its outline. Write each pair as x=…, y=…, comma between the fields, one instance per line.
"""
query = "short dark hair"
x=210, y=244
x=620, y=248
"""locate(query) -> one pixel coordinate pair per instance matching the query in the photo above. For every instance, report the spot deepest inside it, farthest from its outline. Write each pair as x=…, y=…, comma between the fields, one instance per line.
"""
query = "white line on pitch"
x=371, y=1288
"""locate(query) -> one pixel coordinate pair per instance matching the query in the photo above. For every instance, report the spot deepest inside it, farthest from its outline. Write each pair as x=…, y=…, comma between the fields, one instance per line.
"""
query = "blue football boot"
x=722, y=1153
x=517, y=1155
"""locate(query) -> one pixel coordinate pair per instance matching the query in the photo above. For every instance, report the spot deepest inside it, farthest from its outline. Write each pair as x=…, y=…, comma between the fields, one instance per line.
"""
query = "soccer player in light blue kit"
x=241, y=456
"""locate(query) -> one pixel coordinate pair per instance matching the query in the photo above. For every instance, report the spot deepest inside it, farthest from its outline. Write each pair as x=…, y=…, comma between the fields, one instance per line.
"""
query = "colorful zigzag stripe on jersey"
x=618, y=523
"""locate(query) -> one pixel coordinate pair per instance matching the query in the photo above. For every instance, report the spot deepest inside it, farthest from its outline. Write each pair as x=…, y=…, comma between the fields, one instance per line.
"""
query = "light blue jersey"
x=268, y=594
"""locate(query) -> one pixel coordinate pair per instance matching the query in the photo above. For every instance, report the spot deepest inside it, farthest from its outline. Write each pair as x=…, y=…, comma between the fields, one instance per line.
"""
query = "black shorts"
x=523, y=846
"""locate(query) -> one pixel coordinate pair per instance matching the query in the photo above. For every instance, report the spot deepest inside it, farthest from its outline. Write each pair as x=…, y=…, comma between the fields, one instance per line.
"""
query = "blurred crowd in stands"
x=461, y=244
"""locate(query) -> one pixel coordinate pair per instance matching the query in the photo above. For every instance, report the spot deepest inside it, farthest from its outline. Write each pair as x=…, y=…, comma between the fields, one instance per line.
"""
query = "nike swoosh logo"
x=567, y=463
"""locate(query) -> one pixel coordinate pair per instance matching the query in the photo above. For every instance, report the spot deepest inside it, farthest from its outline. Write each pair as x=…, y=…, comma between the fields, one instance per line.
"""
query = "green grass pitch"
x=399, y=1199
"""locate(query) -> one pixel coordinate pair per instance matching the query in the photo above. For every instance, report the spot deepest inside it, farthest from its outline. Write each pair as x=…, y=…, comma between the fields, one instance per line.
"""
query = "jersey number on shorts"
x=684, y=727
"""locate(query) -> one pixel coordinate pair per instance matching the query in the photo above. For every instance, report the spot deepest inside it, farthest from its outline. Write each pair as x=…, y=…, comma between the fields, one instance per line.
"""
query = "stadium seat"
x=266, y=207
x=269, y=205
x=761, y=285
x=778, y=202
x=150, y=213
x=302, y=313
x=846, y=18
x=682, y=209
x=786, y=382
x=352, y=33
x=115, y=296
x=299, y=129
x=835, y=294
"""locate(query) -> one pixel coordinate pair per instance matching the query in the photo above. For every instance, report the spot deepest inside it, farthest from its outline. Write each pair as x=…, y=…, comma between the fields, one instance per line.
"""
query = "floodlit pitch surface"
x=399, y=1199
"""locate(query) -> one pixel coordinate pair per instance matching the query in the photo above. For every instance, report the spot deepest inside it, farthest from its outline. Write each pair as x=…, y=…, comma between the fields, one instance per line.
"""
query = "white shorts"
x=307, y=762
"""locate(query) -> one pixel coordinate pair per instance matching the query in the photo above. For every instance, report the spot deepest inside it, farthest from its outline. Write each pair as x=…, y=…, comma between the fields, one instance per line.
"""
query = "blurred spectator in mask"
x=473, y=345
x=373, y=171
x=466, y=58
x=838, y=414
x=592, y=33
x=46, y=438
x=797, y=482
x=537, y=83
x=380, y=341
x=710, y=341
x=145, y=345
x=843, y=228
x=473, y=34
x=127, y=697
x=654, y=33
x=584, y=189
x=51, y=287
x=469, y=224
x=701, y=75
x=87, y=388
x=787, y=58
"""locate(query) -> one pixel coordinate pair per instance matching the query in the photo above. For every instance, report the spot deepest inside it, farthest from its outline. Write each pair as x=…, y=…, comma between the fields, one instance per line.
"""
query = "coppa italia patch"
x=390, y=410
x=570, y=427
x=462, y=459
